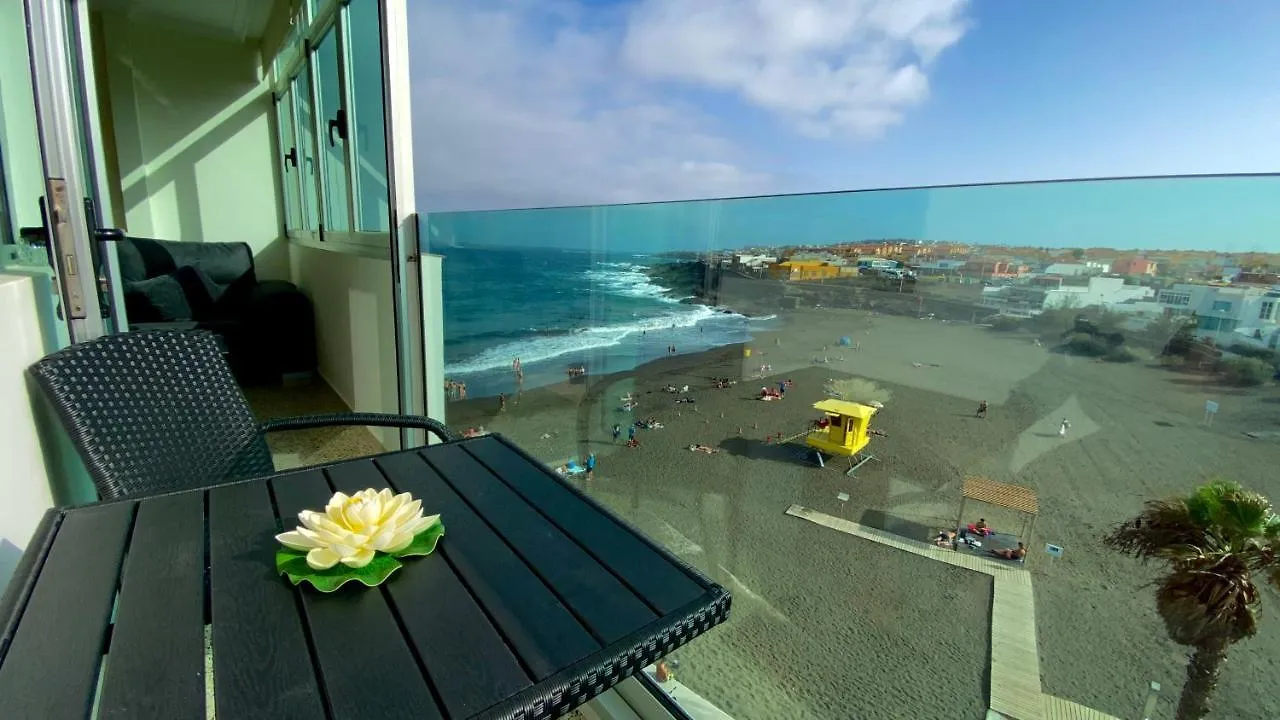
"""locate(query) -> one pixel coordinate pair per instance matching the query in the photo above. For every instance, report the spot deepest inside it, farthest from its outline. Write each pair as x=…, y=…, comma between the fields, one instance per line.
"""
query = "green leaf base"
x=293, y=564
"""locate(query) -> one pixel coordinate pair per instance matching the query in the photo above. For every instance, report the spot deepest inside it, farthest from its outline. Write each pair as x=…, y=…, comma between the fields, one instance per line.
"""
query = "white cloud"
x=830, y=66
x=519, y=108
x=520, y=104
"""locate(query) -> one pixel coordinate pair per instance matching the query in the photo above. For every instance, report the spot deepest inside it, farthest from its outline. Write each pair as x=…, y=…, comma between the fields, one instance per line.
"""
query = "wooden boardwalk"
x=1015, y=691
x=1055, y=708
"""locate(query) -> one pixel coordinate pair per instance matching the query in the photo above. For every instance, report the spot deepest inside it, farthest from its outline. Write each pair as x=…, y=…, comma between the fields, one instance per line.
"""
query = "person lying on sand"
x=699, y=447
x=1016, y=554
x=945, y=539
x=633, y=443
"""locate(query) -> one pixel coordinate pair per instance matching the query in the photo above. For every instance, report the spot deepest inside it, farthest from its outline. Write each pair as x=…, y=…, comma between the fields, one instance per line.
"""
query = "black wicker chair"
x=155, y=412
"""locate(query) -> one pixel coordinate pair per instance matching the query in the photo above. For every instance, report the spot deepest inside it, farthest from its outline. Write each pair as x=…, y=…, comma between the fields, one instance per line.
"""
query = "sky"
x=524, y=103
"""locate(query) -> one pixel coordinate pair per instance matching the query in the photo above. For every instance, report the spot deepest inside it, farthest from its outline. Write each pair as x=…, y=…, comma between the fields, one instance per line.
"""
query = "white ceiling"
x=237, y=20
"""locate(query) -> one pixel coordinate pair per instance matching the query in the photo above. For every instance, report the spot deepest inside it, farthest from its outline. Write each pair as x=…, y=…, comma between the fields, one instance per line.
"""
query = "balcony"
x=623, y=347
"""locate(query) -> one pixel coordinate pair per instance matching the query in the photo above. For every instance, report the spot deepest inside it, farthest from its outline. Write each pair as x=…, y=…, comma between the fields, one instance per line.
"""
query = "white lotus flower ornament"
x=357, y=537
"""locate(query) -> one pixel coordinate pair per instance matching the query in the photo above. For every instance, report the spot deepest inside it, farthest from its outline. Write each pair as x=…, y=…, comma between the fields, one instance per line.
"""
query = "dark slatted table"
x=536, y=600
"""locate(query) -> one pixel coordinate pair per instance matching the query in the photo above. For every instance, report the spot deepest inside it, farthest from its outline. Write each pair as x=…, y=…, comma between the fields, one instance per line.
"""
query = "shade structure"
x=1005, y=495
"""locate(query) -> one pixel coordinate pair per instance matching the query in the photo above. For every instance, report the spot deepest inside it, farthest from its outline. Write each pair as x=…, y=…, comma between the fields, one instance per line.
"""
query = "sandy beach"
x=830, y=626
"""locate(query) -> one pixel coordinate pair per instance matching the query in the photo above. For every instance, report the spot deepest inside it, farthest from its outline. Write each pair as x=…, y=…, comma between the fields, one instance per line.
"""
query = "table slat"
x=261, y=665
x=155, y=666
x=466, y=658
x=369, y=670
x=51, y=669
x=539, y=627
x=609, y=608
x=664, y=585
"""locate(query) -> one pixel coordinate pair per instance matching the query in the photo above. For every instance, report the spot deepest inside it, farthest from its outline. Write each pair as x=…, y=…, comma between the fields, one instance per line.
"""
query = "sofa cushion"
x=187, y=293
x=145, y=258
x=159, y=299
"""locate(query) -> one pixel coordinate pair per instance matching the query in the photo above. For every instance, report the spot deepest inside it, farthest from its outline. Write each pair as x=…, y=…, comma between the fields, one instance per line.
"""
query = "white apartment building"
x=1066, y=269
x=1033, y=299
x=1247, y=311
x=753, y=262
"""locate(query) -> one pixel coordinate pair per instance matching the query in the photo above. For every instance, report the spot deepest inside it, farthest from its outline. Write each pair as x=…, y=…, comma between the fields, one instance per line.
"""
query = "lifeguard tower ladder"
x=846, y=434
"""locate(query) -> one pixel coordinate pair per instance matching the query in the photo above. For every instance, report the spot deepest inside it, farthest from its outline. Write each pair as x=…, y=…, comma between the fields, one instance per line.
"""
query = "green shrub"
x=1120, y=354
x=1006, y=323
x=1086, y=344
x=1247, y=372
x=1253, y=351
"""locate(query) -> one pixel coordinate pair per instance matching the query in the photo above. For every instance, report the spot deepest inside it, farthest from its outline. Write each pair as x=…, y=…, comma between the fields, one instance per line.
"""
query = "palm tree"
x=1220, y=543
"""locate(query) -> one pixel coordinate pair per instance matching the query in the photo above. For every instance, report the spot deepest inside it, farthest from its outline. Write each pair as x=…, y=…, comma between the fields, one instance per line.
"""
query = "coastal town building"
x=1047, y=293
x=996, y=268
x=940, y=267
x=804, y=270
x=1134, y=266
x=1243, y=310
x=1066, y=269
x=753, y=262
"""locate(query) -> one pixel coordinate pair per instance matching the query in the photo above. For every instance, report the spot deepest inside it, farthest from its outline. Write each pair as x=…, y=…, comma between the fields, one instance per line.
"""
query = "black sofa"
x=266, y=326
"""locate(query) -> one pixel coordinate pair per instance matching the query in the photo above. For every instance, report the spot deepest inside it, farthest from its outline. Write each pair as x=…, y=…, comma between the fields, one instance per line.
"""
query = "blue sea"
x=555, y=309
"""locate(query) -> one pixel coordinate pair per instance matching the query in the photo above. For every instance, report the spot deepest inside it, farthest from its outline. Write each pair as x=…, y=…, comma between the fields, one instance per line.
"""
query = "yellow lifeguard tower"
x=847, y=431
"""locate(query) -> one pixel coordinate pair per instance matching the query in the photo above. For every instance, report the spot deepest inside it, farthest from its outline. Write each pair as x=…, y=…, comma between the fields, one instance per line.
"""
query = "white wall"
x=25, y=482
x=1100, y=291
x=191, y=123
x=23, y=173
x=355, y=327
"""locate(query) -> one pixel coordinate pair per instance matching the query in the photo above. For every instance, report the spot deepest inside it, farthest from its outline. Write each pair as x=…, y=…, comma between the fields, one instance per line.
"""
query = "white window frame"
x=330, y=16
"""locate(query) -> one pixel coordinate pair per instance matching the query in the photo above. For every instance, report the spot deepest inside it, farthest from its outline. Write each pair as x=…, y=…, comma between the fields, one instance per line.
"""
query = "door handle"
x=291, y=157
x=108, y=234
x=34, y=236
x=339, y=123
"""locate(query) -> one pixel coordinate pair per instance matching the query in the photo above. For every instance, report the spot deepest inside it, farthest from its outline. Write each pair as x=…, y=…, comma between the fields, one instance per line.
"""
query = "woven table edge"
x=586, y=679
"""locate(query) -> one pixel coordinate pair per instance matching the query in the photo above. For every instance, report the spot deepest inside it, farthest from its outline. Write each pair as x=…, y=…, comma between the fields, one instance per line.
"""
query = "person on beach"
x=982, y=409
x=1062, y=429
x=591, y=465
x=502, y=402
x=1016, y=554
x=631, y=434
x=617, y=430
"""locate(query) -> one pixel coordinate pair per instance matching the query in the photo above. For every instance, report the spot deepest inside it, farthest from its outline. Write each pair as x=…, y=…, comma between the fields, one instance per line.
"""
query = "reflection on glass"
x=1098, y=344
x=310, y=200
x=289, y=47
x=332, y=145
x=290, y=156
x=365, y=73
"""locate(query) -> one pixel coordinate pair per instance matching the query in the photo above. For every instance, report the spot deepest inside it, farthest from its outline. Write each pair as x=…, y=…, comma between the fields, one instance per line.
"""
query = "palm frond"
x=1215, y=600
x=1165, y=529
x=1244, y=515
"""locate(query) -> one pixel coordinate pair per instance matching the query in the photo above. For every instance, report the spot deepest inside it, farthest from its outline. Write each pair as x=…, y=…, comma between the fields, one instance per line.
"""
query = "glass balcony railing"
x=1039, y=358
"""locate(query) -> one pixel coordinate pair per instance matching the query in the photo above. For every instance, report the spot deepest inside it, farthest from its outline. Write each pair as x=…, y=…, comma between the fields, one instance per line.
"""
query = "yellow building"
x=803, y=270
x=845, y=432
